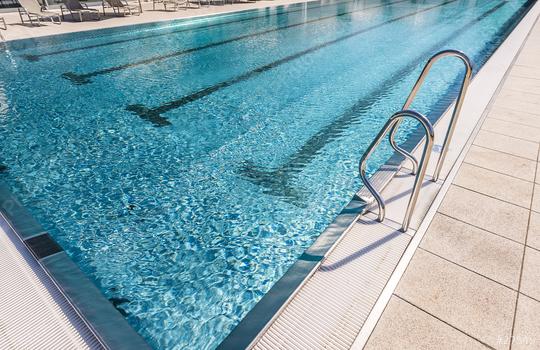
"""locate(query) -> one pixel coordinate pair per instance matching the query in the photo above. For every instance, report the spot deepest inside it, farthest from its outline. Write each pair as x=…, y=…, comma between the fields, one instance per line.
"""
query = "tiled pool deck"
x=474, y=281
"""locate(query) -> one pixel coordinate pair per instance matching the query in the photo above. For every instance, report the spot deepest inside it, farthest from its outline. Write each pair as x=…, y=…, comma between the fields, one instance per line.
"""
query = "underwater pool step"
x=332, y=306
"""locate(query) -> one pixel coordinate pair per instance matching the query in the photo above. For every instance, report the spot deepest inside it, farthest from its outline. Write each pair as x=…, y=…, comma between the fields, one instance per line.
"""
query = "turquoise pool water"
x=186, y=165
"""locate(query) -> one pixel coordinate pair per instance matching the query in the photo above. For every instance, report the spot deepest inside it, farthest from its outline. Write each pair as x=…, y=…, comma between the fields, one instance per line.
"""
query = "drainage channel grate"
x=330, y=309
x=33, y=312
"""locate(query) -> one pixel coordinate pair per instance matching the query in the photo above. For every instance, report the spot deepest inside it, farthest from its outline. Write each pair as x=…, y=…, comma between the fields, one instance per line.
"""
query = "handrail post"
x=457, y=109
x=422, y=167
x=363, y=165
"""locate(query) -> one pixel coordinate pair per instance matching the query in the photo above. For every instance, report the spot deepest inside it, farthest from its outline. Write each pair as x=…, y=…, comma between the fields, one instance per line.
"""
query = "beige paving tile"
x=517, y=104
x=491, y=183
x=504, y=163
x=525, y=71
x=530, y=51
x=532, y=70
x=469, y=302
x=522, y=84
x=536, y=198
x=527, y=327
x=525, y=132
x=528, y=58
x=537, y=179
x=511, y=115
x=533, y=237
x=511, y=95
x=403, y=326
x=530, y=278
x=483, y=252
x=487, y=213
x=532, y=46
x=534, y=34
x=507, y=144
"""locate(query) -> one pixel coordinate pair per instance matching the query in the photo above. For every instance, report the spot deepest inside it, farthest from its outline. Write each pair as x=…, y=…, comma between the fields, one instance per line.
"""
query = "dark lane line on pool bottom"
x=37, y=57
x=80, y=79
x=154, y=114
x=277, y=182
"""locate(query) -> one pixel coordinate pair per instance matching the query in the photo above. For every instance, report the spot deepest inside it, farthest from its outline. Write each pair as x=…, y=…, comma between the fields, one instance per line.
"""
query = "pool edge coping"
x=103, y=320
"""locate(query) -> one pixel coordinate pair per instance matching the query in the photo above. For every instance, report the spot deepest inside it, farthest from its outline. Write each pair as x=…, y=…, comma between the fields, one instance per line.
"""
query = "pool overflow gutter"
x=99, y=314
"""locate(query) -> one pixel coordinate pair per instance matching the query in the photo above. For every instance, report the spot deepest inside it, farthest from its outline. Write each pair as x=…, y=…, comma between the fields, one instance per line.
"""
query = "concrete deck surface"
x=474, y=282
x=16, y=30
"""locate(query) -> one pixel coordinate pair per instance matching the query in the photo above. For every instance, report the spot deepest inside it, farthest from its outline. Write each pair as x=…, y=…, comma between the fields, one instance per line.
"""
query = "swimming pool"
x=186, y=165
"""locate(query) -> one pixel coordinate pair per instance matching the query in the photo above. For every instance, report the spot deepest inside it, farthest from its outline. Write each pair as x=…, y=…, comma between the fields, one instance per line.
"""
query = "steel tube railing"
x=455, y=114
x=393, y=122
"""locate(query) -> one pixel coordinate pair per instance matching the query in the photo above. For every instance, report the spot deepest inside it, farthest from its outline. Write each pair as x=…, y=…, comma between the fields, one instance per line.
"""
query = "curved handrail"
x=455, y=115
x=390, y=124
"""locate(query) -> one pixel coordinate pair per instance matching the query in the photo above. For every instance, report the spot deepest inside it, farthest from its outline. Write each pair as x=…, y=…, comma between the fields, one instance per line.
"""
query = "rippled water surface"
x=186, y=165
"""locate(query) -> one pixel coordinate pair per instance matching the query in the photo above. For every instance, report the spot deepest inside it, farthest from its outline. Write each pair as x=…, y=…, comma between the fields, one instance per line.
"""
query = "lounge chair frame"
x=198, y=2
x=35, y=15
x=79, y=9
x=175, y=4
x=121, y=6
x=37, y=18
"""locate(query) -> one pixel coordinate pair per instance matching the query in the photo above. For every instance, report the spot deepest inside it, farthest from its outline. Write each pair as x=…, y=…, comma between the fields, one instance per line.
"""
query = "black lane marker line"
x=37, y=57
x=42, y=246
x=277, y=182
x=154, y=114
x=81, y=79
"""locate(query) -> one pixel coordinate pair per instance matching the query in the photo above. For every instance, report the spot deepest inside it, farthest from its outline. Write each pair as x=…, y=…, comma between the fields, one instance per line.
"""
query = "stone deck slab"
x=476, y=274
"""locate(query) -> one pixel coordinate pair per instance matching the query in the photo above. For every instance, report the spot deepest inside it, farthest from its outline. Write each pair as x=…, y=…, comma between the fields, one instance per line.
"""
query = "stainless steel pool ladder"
x=418, y=169
x=455, y=115
x=390, y=124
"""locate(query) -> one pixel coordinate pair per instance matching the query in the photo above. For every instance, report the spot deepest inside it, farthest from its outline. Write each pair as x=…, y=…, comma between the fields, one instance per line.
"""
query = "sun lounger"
x=175, y=4
x=121, y=6
x=74, y=7
x=199, y=2
x=36, y=14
